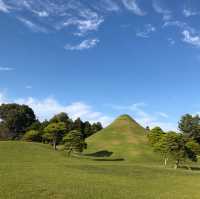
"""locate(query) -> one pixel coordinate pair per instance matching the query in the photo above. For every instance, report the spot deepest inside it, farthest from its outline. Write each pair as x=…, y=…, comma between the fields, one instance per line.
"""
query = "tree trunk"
x=69, y=152
x=176, y=164
x=166, y=159
x=54, y=145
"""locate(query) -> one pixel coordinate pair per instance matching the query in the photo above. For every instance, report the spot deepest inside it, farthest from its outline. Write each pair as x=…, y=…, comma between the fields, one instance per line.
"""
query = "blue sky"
x=102, y=58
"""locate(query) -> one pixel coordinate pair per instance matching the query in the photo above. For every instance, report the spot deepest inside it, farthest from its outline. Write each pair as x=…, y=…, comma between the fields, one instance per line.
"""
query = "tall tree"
x=16, y=119
x=54, y=132
x=87, y=129
x=190, y=126
x=78, y=125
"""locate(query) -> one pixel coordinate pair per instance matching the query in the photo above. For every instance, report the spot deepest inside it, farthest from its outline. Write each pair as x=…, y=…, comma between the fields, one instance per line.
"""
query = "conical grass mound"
x=122, y=139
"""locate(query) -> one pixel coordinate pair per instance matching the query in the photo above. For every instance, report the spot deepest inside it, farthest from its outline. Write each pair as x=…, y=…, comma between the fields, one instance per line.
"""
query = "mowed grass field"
x=31, y=170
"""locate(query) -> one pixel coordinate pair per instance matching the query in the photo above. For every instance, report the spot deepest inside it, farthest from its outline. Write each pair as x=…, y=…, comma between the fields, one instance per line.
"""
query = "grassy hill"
x=124, y=138
x=31, y=170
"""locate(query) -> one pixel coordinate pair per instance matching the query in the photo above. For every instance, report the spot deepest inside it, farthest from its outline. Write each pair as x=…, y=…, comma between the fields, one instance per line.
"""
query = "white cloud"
x=89, y=21
x=188, y=12
x=190, y=38
x=110, y=5
x=86, y=44
x=3, y=7
x=41, y=13
x=133, y=6
x=148, y=29
x=6, y=69
x=158, y=7
x=48, y=107
x=34, y=27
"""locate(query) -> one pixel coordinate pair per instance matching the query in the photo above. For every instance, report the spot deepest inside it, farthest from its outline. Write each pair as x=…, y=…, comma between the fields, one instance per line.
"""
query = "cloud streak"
x=7, y=69
x=86, y=44
x=134, y=7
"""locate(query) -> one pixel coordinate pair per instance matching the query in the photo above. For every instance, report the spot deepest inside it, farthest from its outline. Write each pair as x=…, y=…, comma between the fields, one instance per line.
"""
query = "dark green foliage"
x=32, y=136
x=74, y=142
x=16, y=119
x=35, y=126
x=147, y=128
x=155, y=135
x=61, y=117
x=175, y=146
x=78, y=125
x=190, y=126
x=54, y=132
x=87, y=131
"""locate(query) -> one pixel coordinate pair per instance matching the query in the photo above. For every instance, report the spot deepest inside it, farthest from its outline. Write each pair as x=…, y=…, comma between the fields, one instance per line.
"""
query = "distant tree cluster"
x=18, y=122
x=181, y=146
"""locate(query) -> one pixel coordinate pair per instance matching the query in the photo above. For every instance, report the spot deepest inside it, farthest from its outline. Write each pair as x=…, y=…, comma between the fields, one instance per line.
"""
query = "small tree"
x=32, y=136
x=53, y=132
x=74, y=142
x=174, y=145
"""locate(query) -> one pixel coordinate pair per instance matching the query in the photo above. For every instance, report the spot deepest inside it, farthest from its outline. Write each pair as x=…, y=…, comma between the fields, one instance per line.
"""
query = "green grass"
x=119, y=164
x=30, y=170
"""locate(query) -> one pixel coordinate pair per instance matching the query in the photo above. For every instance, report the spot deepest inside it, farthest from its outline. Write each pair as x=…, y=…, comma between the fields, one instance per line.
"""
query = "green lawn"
x=29, y=170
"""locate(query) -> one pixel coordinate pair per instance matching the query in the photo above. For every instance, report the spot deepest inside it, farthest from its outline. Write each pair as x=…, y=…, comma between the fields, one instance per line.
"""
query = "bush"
x=32, y=136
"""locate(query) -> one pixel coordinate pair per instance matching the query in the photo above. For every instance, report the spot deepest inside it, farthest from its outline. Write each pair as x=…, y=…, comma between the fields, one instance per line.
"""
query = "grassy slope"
x=29, y=170
x=126, y=139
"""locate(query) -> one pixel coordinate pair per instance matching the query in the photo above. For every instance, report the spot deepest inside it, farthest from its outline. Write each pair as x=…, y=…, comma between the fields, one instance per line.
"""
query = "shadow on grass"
x=100, y=154
x=193, y=168
x=103, y=155
x=111, y=160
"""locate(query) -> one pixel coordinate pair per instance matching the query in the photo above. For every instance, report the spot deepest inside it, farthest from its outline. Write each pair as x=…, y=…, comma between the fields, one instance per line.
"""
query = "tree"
x=78, y=125
x=74, y=142
x=16, y=119
x=53, y=132
x=174, y=145
x=190, y=126
x=32, y=136
x=155, y=135
x=87, y=129
x=147, y=128
x=61, y=117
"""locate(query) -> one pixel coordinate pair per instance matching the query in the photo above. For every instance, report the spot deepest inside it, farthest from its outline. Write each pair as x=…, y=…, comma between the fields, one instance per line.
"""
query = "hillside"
x=124, y=138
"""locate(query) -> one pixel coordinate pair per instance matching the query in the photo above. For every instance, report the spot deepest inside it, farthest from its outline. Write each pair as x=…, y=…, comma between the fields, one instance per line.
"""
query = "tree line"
x=181, y=146
x=19, y=122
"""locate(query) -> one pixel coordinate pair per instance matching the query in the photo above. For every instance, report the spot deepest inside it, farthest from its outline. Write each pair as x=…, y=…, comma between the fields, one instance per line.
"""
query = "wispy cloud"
x=193, y=39
x=148, y=29
x=189, y=34
x=171, y=41
x=6, y=69
x=86, y=44
x=32, y=26
x=159, y=8
x=4, y=7
x=28, y=87
x=189, y=12
x=84, y=25
x=133, y=6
